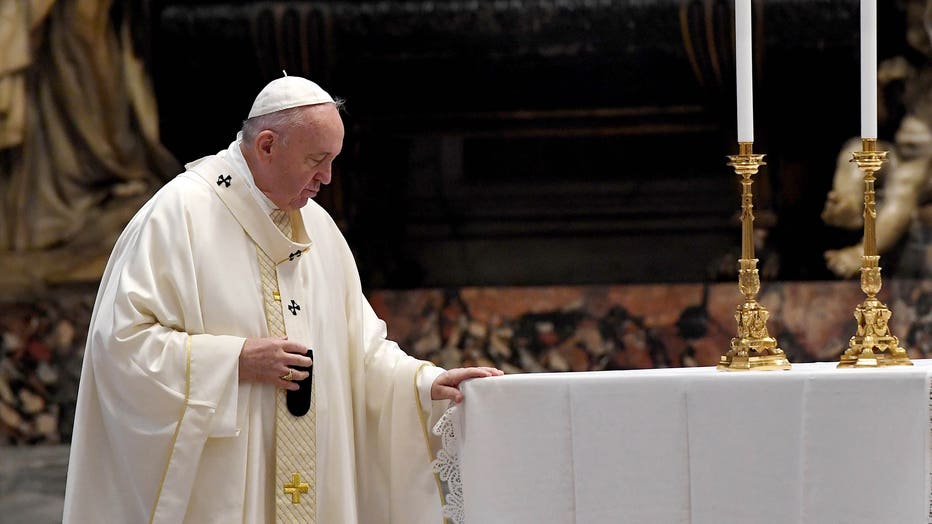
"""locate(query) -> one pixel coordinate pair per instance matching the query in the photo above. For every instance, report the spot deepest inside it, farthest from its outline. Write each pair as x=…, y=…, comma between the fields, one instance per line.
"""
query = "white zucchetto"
x=288, y=92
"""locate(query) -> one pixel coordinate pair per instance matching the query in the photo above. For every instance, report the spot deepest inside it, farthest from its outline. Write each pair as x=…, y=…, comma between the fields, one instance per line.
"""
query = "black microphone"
x=299, y=402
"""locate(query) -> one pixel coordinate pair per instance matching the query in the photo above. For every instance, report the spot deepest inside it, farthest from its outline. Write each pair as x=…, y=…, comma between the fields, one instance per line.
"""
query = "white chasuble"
x=165, y=431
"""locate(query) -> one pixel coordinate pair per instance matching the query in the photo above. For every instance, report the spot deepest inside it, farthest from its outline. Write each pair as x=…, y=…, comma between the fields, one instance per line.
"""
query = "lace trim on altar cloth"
x=447, y=467
x=929, y=452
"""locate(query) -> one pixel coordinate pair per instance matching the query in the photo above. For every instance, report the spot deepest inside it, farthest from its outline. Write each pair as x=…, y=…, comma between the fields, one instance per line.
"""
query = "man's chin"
x=298, y=203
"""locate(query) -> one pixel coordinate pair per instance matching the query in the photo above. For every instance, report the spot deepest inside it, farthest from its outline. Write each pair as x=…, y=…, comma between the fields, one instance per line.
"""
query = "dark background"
x=540, y=142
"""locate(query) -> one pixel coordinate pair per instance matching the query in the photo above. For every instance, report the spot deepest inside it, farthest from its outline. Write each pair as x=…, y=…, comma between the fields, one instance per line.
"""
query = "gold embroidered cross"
x=295, y=488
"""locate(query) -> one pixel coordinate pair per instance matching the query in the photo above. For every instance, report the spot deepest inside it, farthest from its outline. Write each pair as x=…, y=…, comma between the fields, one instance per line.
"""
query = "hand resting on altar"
x=446, y=385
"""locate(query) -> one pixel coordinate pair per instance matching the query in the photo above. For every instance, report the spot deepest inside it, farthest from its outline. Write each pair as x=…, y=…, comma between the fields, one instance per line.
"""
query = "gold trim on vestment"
x=423, y=419
x=296, y=435
x=171, y=448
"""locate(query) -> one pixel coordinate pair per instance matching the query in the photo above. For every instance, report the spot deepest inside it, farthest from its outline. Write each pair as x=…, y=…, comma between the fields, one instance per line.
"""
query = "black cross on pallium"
x=294, y=255
x=224, y=180
x=294, y=308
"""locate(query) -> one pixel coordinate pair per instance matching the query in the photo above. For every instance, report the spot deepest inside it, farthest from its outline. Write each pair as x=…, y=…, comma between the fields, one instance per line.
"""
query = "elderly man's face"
x=302, y=162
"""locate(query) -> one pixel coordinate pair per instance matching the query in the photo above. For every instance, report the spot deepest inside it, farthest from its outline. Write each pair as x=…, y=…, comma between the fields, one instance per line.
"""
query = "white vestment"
x=165, y=431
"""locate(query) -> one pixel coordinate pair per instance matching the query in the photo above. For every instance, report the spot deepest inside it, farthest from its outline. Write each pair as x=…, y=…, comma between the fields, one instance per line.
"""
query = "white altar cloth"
x=813, y=445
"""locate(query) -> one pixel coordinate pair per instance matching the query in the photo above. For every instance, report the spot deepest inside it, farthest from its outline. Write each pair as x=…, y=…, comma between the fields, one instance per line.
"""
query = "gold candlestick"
x=753, y=348
x=873, y=345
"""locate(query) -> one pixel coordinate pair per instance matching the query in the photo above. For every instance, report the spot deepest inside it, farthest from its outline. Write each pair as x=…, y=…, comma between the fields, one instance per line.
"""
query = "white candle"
x=868, y=68
x=743, y=70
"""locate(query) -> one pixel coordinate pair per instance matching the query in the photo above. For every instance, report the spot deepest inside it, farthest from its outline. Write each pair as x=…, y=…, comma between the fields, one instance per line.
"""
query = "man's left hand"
x=446, y=385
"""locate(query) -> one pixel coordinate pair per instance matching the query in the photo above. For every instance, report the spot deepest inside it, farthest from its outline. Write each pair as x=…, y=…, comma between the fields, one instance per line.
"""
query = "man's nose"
x=325, y=174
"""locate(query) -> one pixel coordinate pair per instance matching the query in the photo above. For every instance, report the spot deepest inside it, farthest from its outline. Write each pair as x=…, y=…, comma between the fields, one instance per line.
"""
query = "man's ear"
x=264, y=141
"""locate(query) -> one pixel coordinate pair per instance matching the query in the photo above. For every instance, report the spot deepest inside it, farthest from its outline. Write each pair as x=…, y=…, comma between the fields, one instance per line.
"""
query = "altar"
x=814, y=444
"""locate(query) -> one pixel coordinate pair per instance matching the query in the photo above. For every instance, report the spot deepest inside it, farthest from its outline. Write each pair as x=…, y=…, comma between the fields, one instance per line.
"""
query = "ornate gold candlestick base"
x=753, y=348
x=873, y=345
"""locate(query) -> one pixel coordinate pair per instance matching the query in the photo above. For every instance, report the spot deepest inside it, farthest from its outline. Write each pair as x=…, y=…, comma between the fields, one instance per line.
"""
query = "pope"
x=234, y=371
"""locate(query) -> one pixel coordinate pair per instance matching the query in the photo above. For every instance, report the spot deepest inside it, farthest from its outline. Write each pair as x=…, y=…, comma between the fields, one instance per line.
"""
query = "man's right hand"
x=267, y=360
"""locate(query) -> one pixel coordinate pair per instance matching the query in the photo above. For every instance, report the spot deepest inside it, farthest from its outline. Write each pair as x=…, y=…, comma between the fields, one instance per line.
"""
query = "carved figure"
x=79, y=142
x=905, y=182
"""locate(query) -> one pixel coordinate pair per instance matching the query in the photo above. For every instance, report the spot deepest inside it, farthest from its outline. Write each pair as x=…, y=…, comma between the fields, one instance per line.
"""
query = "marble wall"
x=519, y=329
x=41, y=350
x=635, y=326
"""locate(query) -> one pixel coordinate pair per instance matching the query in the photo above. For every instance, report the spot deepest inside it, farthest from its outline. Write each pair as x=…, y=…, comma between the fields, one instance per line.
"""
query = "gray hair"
x=280, y=122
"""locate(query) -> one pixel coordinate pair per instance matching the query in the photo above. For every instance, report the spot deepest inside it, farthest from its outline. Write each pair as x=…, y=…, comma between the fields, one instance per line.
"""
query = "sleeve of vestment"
x=165, y=385
x=405, y=444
